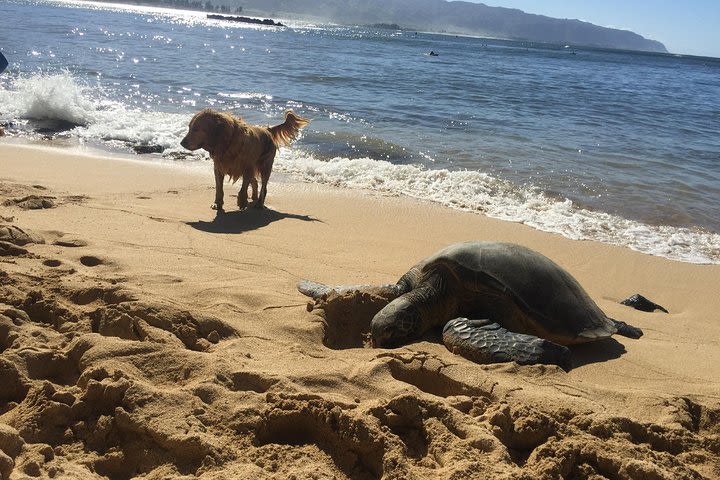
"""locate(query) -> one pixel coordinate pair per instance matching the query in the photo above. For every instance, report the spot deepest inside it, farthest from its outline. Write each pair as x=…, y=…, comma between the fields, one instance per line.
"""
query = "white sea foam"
x=48, y=97
x=138, y=127
x=478, y=192
x=62, y=97
x=247, y=95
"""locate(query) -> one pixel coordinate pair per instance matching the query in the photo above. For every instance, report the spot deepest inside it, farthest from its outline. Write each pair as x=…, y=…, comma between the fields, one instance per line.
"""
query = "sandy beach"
x=142, y=337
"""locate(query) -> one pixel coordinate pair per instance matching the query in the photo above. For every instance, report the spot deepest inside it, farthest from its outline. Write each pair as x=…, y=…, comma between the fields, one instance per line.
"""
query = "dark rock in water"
x=6, y=128
x=18, y=236
x=52, y=126
x=639, y=302
x=180, y=155
x=386, y=26
x=141, y=149
x=256, y=21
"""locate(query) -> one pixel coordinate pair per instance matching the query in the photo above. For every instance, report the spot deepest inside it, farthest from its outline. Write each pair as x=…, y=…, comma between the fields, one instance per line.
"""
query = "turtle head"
x=395, y=324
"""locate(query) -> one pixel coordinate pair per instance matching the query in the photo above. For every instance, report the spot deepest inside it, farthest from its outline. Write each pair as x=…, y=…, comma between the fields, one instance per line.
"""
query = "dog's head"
x=206, y=130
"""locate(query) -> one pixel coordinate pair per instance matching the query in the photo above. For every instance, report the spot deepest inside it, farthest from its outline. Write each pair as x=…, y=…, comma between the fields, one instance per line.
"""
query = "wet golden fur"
x=240, y=150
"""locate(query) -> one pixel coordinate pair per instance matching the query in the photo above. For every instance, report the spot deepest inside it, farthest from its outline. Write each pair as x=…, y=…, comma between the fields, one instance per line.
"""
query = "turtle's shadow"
x=595, y=352
x=240, y=221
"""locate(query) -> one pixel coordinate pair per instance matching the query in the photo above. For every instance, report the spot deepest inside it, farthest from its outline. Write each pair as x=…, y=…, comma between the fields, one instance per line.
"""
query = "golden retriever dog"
x=240, y=150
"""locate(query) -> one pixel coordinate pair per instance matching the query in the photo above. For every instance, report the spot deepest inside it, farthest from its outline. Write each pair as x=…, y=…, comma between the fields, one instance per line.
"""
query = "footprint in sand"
x=91, y=261
x=7, y=249
x=32, y=202
x=18, y=236
x=71, y=243
x=353, y=446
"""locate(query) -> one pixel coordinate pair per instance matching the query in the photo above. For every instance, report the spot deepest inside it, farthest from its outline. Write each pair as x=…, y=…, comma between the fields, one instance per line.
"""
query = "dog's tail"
x=287, y=131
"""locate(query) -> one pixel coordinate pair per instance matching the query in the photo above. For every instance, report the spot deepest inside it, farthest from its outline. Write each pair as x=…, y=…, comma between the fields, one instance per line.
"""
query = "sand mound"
x=100, y=382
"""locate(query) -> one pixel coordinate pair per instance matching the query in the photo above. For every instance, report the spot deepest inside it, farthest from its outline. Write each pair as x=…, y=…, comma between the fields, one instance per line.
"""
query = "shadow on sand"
x=596, y=352
x=240, y=221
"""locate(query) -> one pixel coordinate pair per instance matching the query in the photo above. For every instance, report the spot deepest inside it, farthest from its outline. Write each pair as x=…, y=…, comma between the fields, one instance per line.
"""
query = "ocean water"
x=619, y=147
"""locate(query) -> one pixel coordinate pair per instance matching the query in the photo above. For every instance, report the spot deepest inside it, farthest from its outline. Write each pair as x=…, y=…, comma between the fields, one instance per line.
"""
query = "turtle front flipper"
x=314, y=290
x=484, y=341
x=319, y=291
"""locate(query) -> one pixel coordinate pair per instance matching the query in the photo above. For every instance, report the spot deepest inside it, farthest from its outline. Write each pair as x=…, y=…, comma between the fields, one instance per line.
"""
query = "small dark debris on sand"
x=641, y=303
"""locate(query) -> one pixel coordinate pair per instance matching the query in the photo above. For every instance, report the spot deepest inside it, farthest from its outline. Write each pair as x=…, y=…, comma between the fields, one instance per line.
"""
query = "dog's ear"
x=219, y=130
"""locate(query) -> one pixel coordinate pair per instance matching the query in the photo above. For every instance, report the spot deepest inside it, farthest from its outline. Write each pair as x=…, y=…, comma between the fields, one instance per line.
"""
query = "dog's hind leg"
x=219, y=177
x=266, y=164
x=254, y=187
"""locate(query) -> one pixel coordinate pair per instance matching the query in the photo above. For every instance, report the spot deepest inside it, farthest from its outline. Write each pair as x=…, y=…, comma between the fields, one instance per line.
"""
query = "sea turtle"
x=498, y=302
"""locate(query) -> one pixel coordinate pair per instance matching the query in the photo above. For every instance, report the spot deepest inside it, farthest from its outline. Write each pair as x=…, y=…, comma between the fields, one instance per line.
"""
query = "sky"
x=689, y=27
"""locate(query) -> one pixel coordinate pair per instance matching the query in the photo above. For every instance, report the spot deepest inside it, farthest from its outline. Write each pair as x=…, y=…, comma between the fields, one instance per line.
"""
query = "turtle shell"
x=544, y=299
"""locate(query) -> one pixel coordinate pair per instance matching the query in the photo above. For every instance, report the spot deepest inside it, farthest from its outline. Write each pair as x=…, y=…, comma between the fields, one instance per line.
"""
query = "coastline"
x=152, y=248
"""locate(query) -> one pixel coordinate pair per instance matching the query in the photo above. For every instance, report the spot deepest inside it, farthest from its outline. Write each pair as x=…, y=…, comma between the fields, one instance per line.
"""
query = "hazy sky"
x=690, y=27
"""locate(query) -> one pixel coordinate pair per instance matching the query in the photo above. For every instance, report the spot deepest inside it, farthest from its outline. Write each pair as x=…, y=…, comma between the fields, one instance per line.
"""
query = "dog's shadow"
x=240, y=221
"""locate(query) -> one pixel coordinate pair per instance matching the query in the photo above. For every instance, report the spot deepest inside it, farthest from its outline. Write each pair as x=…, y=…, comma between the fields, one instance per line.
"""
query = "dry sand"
x=140, y=337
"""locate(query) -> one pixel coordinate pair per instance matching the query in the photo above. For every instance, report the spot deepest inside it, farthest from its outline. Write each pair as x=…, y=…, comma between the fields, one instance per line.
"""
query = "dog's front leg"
x=219, y=194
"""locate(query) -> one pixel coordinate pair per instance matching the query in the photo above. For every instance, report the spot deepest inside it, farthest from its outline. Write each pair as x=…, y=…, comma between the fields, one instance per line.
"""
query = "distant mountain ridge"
x=453, y=17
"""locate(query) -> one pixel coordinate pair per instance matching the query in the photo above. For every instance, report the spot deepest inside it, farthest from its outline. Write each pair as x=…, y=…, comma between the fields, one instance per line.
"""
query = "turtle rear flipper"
x=484, y=341
x=627, y=330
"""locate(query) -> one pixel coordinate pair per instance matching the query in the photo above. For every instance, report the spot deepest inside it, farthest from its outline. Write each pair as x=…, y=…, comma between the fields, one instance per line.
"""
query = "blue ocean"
x=613, y=146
